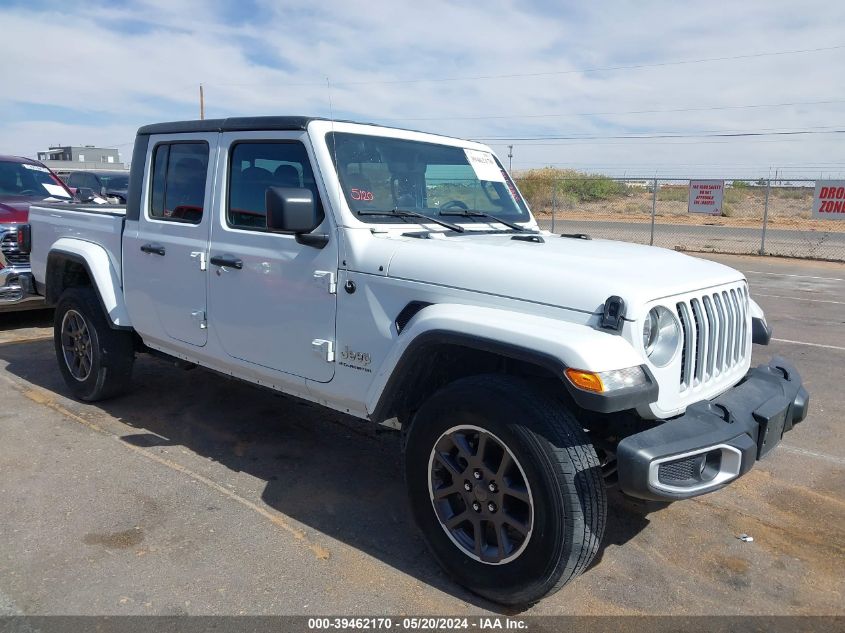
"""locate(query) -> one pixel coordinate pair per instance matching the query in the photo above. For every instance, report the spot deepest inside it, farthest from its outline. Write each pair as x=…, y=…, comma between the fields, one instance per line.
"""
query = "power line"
x=720, y=131
x=657, y=136
x=552, y=73
x=645, y=168
x=814, y=166
x=652, y=142
x=657, y=111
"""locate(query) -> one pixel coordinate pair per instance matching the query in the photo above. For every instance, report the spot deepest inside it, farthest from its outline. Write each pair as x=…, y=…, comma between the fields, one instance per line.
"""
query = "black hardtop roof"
x=232, y=124
x=236, y=124
x=246, y=123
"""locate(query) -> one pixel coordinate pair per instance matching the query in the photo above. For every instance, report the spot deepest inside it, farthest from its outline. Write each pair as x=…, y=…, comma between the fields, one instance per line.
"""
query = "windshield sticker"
x=55, y=190
x=362, y=195
x=511, y=186
x=484, y=165
x=35, y=167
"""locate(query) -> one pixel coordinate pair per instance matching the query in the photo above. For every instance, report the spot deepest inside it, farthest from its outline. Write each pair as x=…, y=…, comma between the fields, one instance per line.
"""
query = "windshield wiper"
x=467, y=213
x=407, y=213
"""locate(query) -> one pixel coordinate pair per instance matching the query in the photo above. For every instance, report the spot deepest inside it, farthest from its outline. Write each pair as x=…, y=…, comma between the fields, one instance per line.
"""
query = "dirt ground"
x=743, y=209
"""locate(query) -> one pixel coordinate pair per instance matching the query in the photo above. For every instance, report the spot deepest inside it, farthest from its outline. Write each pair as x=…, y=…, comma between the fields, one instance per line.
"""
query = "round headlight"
x=649, y=333
x=661, y=335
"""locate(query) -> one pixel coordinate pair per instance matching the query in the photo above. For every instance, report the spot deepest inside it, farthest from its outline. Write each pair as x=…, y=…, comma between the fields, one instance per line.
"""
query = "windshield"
x=29, y=181
x=381, y=174
x=117, y=182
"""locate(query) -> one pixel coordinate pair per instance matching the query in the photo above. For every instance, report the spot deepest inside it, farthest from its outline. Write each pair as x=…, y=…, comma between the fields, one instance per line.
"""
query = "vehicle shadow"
x=337, y=475
x=9, y=321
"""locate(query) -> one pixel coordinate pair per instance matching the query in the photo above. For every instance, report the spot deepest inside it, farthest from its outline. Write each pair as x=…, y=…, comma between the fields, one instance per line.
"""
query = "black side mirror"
x=294, y=210
x=84, y=194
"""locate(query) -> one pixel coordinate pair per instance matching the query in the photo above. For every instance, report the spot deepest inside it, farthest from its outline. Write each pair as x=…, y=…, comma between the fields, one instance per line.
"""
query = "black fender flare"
x=602, y=403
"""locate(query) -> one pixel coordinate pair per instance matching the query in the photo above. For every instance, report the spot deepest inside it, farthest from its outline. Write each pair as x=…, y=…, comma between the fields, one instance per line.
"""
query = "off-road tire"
x=560, y=466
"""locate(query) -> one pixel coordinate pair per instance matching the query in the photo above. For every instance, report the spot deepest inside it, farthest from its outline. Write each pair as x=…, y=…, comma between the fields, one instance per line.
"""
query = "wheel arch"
x=438, y=357
x=444, y=342
x=71, y=265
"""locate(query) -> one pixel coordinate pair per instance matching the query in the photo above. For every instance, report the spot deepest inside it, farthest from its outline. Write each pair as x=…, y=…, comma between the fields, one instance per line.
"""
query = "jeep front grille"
x=714, y=334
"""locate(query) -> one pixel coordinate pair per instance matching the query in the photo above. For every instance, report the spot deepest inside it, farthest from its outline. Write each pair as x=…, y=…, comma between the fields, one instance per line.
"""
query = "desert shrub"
x=540, y=186
x=637, y=207
x=740, y=184
x=792, y=193
x=588, y=187
x=672, y=193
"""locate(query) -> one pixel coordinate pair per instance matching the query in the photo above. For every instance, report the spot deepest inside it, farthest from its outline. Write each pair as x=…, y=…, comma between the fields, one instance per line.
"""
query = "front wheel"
x=506, y=488
x=95, y=360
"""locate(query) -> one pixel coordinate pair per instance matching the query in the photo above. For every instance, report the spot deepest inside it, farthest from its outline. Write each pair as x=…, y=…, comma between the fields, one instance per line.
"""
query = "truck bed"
x=101, y=225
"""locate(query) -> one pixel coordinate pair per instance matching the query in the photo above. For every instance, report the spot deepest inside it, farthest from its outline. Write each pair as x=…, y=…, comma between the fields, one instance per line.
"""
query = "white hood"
x=564, y=272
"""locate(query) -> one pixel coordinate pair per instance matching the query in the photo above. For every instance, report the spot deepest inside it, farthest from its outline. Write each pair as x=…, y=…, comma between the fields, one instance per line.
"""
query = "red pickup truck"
x=23, y=182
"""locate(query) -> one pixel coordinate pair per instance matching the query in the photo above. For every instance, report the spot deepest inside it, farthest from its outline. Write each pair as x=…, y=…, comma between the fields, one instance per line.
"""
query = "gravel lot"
x=196, y=494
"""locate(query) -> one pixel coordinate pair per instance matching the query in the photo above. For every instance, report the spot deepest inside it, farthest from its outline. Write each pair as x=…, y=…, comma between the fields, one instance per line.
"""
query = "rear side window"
x=81, y=179
x=179, y=174
x=256, y=166
x=90, y=181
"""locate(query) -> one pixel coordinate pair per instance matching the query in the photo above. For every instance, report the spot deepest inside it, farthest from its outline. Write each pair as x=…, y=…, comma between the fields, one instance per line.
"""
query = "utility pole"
x=510, y=158
x=202, y=104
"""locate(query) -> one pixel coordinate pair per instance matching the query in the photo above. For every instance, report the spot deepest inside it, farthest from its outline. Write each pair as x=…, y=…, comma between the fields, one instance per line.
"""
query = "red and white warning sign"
x=706, y=196
x=829, y=200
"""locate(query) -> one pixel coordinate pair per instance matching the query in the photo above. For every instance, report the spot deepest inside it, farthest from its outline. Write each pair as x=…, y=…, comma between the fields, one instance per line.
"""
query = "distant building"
x=62, y=158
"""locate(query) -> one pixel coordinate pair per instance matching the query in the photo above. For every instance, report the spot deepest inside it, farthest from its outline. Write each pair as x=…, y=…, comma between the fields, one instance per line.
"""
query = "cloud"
x=87, y=73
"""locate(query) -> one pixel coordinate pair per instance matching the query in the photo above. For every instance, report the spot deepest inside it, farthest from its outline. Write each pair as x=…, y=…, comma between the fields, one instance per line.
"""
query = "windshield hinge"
x=327, y=277
x=324, y=348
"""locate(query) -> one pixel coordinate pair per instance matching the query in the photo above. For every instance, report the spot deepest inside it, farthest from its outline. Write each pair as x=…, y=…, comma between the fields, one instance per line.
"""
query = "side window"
x=178, y=189
x=255, y=166
x=90, y=181
x=73, y=180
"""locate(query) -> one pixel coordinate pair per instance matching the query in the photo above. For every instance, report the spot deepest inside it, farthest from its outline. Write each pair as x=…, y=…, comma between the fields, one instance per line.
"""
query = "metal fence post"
x=765, y=217
x=554, y=203
x=653, y=210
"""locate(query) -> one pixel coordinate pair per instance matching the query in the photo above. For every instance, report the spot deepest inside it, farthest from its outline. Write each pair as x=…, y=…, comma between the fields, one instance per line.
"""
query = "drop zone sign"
x=829, y=200
x=706, y=196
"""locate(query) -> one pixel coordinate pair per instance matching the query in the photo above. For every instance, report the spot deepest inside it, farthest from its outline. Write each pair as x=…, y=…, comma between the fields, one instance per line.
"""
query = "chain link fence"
x=764, y=216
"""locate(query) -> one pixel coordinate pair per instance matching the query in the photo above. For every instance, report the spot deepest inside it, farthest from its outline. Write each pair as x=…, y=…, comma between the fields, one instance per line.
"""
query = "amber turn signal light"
x=586, y=380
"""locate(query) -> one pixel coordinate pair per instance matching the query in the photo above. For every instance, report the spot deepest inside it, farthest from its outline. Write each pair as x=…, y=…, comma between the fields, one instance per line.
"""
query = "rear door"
x=164, y=260
x=276, y=309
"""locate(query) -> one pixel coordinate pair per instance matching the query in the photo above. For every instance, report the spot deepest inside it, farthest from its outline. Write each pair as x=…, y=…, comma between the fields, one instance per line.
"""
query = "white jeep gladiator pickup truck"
x=399, y=277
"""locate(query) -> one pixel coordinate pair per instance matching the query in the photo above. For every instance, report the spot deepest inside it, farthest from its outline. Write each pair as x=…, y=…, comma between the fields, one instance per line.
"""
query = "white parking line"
x=786, y=340
x=758, y=272
x=760, y=294
x=804, y=451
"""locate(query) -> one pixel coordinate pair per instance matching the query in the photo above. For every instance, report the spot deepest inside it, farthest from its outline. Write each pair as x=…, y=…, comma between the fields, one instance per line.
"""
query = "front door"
x=164, y=257
x=275, y=308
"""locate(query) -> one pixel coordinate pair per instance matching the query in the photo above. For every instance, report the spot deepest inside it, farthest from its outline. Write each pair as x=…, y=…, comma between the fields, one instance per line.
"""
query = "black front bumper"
x=715, y=441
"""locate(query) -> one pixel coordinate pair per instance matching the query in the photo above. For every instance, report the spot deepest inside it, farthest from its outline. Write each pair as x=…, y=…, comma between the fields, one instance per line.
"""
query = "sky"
x=596, y=77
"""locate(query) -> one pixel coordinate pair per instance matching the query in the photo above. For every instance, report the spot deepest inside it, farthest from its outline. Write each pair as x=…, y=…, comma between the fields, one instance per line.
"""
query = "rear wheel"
x=506, y=488
x=95, y=360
